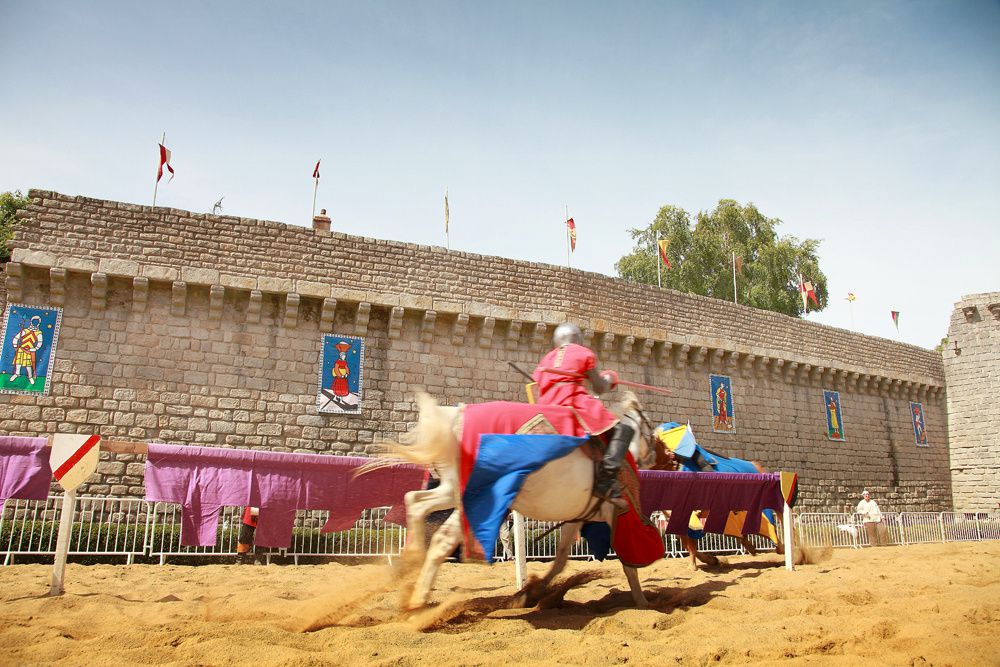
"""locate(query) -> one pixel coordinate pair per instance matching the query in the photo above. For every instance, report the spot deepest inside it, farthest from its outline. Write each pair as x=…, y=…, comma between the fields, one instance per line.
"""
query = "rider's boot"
x=606, y=485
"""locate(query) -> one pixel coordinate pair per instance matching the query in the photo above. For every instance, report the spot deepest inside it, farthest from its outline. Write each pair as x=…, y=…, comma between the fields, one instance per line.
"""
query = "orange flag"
x=663, y=243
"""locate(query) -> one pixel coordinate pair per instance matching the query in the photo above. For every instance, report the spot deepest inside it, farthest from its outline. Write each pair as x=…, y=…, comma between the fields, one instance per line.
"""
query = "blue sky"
x=872, y=126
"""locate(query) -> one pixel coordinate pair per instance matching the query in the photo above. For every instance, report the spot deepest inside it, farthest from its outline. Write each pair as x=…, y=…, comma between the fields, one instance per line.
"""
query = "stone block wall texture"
x=972, y=369
x=201, y=329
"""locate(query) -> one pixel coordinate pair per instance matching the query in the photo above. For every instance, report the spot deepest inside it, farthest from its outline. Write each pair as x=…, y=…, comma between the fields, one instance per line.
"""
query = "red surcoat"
x=568, y=391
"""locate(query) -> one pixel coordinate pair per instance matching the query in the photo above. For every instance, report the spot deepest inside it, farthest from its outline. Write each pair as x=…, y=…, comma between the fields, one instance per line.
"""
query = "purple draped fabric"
x=24, y=468
x=719, y=493
x=203, y=479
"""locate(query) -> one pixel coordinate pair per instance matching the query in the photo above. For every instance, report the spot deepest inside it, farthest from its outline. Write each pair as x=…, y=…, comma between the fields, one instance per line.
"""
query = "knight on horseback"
x=560, y=376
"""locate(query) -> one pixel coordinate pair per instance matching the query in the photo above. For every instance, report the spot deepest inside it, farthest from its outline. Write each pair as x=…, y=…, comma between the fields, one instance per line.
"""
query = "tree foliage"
x=10, y=202
x=768, y=265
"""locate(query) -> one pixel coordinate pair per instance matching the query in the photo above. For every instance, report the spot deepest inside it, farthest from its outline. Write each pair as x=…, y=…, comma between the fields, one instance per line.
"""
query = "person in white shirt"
x=871, y=515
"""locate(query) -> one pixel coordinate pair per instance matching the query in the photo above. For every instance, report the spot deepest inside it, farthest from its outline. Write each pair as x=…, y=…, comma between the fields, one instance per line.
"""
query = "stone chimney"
x=321, y=222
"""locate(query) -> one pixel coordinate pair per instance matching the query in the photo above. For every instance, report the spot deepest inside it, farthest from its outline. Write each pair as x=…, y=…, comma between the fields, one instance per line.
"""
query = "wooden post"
x=520, y=557
x=62, y=542
x=786, y=528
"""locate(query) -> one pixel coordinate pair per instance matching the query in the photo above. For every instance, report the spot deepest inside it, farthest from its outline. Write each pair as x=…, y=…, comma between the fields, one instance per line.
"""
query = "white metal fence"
x=101, y=527
x=131, y=528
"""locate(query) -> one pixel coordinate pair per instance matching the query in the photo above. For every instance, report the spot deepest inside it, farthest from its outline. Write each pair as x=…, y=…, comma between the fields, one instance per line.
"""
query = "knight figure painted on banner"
x=29, y=340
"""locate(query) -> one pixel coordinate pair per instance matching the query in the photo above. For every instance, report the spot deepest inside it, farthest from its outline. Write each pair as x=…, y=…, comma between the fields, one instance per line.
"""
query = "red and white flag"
x=571, y=230
x=316, y=170
x=807, y=293
x=164, y=160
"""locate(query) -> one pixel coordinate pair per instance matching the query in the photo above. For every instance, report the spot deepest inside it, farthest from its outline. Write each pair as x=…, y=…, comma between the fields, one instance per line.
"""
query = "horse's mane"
x=628, y=403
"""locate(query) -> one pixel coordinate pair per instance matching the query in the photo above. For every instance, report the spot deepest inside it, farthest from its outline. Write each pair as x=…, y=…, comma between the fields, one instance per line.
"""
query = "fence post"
x=941, y=525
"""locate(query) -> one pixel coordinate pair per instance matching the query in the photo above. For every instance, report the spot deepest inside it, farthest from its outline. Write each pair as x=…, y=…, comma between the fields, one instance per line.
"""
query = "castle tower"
x=972, y=375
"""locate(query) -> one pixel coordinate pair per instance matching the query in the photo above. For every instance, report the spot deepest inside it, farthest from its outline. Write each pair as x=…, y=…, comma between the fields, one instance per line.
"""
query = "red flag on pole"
x=663, y=243
x=316, y=170
x=164, y=160
x=572, y=234
x=807, y=292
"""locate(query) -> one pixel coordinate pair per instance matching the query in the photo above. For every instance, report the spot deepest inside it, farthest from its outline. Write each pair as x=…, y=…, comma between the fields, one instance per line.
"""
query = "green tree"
x=768, y=265
x=10, y=202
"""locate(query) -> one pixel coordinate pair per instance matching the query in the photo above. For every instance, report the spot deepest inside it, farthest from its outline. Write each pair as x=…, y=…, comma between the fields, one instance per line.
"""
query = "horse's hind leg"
x=418, y=505
x=443, y=543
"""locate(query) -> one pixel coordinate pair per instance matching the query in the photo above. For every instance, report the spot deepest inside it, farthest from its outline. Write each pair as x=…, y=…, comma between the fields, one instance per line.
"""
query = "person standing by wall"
x=871, y=515
x=244, y=543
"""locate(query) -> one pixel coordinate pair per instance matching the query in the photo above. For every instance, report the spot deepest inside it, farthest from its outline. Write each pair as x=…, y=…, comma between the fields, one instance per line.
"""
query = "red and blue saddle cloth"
x=503, y=443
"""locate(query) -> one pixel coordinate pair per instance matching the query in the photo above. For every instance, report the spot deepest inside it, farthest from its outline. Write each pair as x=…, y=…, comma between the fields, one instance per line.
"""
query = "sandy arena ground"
x=920, y=605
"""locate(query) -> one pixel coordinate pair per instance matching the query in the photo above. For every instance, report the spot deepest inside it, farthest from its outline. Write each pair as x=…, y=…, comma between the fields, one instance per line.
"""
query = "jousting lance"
x=626, y=383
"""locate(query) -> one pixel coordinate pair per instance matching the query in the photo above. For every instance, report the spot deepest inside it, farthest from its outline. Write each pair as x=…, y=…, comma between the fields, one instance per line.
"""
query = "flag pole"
x=734, y=278
x=315, y=190
x=851, y=306
x=659, y=260
x=447, y=232
x=802, y=294
x=566, y=225
x=157, y=186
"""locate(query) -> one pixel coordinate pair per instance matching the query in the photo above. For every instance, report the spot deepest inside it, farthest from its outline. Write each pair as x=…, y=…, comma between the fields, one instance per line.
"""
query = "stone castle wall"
x=206, y=329
x=972, y=368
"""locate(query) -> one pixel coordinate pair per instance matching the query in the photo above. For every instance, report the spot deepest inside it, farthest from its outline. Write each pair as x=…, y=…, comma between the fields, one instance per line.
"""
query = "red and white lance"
x=615, y=380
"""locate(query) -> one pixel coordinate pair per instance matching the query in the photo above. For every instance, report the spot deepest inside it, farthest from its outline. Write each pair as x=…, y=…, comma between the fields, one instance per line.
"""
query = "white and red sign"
x=74, y=458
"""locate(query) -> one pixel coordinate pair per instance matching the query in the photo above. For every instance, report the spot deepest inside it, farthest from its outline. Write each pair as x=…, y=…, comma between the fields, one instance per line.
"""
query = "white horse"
x=559, y=491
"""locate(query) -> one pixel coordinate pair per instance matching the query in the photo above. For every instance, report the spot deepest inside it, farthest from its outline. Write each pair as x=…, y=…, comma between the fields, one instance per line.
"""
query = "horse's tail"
x=434, y=440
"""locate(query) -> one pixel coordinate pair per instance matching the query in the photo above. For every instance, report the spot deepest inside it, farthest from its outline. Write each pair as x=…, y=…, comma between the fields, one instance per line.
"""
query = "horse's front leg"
x=748, y=545
x=534, y=590
x=443, y=543
x=638, y=597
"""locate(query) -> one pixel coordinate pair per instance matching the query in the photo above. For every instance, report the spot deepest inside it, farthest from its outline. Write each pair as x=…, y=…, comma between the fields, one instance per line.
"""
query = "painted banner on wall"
x=723, y=419
x=340, y=379
x=834, y=417
x=919, y=432
x=29, y=340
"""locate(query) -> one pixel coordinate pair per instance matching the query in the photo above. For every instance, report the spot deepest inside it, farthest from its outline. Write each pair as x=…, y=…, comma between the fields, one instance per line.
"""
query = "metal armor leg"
x=606, y=485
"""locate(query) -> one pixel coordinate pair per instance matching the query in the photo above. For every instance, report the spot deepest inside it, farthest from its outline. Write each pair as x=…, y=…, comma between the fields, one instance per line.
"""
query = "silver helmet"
x=567, y=333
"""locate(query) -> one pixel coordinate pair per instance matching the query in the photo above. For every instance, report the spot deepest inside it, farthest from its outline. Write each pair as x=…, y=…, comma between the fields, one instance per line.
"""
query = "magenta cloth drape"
x=719, y=493
x=203, y=479
x=24, y=468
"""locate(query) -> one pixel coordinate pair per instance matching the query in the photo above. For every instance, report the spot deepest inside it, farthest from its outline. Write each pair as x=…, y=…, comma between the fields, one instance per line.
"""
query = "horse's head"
x=642, y=445
x=663, y=458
